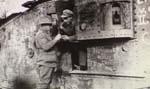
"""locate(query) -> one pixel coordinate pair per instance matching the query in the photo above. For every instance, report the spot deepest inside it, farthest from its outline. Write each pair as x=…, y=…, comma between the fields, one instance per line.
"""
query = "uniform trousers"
x=45, y=76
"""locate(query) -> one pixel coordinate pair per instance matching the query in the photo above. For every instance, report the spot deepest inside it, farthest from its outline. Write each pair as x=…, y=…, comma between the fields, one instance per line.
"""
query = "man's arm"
x=69, y=38
x=46, y=45
x=72, y=38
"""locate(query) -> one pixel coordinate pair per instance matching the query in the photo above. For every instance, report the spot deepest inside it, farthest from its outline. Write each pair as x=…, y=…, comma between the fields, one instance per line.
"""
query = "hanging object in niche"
x=116, y=15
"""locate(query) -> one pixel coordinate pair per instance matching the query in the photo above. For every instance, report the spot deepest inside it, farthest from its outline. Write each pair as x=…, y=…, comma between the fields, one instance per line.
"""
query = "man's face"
x=67, y=20
x=46, y=27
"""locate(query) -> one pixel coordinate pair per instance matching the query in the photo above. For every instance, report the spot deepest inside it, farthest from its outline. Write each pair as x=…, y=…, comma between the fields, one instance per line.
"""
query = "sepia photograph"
x=74, y=44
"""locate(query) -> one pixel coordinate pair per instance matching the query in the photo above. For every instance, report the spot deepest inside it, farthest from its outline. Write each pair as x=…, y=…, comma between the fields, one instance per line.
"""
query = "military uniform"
x=47, y=59
x=67, y=47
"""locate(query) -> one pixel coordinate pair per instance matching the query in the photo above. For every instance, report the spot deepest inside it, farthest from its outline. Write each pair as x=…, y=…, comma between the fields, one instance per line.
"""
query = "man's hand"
x=65, y=37
x=58, y=37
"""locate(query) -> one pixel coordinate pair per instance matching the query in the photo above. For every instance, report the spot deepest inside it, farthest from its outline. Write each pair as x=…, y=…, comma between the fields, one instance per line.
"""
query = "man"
x=67, y=46
x=46, y=42
x=67, y=27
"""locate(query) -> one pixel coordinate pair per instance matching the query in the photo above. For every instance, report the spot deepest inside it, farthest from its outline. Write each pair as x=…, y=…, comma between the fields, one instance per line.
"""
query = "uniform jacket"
x=45, y=57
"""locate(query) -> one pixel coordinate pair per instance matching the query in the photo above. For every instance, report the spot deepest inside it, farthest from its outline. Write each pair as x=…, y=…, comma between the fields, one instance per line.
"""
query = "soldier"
x=47, y=60
x=67, y=27
x=67, y=45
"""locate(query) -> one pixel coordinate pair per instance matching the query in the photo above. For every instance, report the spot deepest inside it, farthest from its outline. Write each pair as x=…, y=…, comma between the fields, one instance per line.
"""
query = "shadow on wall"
x=20, y=83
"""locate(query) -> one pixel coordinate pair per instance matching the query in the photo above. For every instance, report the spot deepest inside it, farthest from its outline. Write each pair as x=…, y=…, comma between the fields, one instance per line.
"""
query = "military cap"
x=67, y=13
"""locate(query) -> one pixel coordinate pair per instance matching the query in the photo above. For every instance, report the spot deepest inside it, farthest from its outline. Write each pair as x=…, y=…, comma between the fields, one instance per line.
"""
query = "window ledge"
x=122, y=33
x=80, y=72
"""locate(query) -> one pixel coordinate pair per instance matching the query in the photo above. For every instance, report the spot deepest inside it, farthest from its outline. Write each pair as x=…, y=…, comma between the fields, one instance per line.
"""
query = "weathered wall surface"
x=112, y=64
x=123, y=63
x=131, y=57
x=14, y=54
